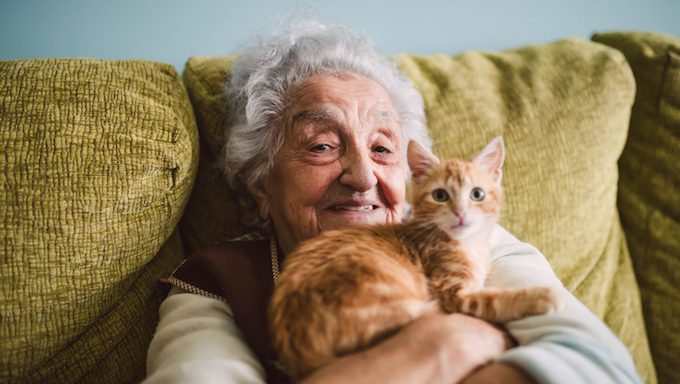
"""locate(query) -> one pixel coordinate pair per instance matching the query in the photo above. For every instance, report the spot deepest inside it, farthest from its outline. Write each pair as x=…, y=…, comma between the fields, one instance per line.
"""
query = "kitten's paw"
x=547, y=300
x=449, y=303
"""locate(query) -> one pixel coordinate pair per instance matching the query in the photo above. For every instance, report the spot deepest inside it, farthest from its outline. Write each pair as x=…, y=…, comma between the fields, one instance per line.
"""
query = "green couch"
x=108, y=181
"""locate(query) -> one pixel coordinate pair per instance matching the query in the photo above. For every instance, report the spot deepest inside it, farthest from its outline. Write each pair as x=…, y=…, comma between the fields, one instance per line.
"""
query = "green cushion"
x=649, y=187
x=98, y=162
x=563, y=109
x=212, y=199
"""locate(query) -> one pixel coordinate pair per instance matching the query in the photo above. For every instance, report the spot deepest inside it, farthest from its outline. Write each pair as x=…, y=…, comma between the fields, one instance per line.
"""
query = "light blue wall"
x=172, y=30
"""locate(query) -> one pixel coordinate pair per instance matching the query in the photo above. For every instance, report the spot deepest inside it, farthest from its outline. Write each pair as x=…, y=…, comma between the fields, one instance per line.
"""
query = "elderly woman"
x=317, y=141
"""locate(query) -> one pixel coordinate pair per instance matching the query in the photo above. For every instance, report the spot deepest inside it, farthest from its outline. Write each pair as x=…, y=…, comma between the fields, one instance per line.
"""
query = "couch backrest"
x=649, y=187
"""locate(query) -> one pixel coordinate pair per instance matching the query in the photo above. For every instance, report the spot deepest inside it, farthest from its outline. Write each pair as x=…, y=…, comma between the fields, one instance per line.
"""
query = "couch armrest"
x=649, y=187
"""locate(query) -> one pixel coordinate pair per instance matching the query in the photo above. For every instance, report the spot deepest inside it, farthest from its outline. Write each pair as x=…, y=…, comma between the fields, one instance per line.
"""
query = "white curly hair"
x=264, y=73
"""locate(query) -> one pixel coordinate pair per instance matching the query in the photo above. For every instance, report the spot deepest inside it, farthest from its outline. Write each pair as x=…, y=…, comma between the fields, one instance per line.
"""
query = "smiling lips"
x=354, y=206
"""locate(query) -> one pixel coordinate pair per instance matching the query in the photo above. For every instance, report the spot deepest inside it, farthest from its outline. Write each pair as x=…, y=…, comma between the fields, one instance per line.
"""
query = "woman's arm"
x=196, y=341
x=499, y=373
x=572, y=346
x=436, y=348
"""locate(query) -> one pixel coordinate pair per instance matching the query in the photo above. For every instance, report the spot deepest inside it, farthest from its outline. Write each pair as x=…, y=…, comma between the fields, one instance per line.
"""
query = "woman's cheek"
x=393, y=185
x=306, y=222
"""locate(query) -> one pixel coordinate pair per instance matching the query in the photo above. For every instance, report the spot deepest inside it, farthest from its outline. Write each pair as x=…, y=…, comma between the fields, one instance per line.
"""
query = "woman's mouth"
x=351, y=212
x=354, y=208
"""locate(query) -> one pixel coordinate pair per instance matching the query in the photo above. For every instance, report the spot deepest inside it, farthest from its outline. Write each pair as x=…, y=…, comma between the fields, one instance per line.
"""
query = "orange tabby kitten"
x=346, y=289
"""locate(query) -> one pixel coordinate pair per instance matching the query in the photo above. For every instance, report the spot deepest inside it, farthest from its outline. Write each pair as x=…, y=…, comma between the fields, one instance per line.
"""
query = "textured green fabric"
x=649, y=188
x=563, y=110
x=212, y=199
x=98, y=161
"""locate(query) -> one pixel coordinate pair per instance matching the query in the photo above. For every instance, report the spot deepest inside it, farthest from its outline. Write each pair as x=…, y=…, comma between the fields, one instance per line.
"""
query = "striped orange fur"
x=345, y=290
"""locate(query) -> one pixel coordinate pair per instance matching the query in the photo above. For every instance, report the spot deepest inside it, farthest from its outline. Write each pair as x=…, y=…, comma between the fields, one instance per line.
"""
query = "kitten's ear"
x=419, y=159
x=491, y=158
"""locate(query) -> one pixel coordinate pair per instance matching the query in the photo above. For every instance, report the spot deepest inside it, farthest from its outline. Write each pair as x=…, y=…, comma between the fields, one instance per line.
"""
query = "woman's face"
x=340, y=163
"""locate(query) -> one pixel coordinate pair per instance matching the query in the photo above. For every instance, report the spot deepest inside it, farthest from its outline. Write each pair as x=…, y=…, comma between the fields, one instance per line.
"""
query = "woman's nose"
x=358, y=171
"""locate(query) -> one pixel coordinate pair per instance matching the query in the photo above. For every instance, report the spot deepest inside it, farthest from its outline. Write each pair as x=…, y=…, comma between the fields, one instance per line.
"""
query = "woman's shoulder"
x=211, y=270
x=515, y=263
x=224, y=246
x=249, y=245
x=503, y=243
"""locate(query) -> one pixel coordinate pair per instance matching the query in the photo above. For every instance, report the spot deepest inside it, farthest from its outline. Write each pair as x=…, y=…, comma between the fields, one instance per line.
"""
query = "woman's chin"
x=335, y=219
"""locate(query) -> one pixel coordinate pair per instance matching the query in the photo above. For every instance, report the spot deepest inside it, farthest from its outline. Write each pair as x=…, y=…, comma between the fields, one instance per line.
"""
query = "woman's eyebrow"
x=313, y=115
x=387, y=124
x=383, y=116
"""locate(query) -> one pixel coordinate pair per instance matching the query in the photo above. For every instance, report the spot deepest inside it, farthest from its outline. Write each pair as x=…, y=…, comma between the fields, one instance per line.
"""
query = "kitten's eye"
x=440, y=195
x=477, y=194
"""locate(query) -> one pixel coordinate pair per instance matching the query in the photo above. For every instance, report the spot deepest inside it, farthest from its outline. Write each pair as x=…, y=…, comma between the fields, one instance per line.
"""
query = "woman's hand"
x=436, y=348
x=499, y=373
x=466, y=343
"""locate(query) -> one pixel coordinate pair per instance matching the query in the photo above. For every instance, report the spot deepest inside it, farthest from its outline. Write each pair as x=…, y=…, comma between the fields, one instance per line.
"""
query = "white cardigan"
x=197, y=341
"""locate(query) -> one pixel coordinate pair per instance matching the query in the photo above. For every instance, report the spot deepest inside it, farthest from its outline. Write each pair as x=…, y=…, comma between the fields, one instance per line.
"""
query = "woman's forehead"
x=327, y=97
x=331, y=113
x=344, y=91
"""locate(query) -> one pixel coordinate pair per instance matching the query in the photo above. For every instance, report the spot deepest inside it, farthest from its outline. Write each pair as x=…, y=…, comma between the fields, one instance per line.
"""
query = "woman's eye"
x=321, y=148
x=381, y=149
x=477, y=194
x=440, y=195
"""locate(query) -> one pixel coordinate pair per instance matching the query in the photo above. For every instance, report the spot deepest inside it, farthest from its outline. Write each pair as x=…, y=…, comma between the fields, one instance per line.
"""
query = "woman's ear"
x=261, y=197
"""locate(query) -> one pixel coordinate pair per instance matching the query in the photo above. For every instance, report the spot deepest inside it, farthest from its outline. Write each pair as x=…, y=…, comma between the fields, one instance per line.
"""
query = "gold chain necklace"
x=274, y=255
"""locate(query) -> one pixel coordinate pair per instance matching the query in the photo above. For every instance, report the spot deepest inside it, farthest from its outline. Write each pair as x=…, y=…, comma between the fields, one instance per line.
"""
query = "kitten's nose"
x=460, y=214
